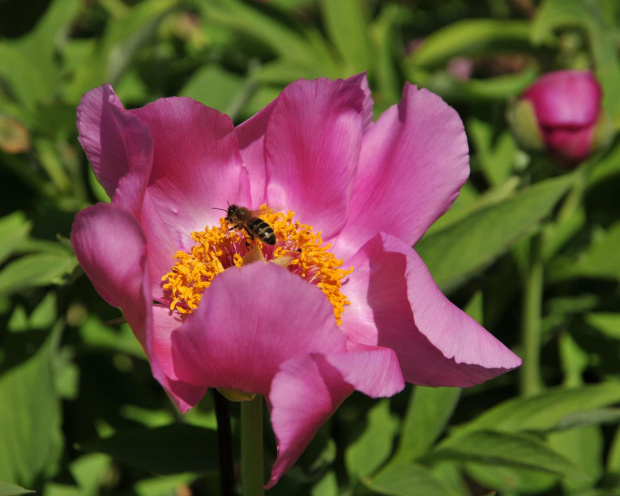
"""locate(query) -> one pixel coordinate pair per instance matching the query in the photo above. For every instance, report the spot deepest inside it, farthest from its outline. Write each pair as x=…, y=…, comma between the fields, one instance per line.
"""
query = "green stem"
x=531, y=382
x=252, y=447
x=575, y=196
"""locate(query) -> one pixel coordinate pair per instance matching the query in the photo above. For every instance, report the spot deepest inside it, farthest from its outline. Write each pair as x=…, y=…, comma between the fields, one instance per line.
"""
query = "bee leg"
x=237, y=226
x=248, y=245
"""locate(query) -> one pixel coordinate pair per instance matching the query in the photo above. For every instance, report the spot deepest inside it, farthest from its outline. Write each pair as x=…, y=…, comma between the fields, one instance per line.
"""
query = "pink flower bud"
x=561, y=114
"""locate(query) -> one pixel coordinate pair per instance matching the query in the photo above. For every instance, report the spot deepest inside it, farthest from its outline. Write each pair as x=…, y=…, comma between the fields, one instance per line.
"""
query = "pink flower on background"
x=297, y=326
x=567, y=108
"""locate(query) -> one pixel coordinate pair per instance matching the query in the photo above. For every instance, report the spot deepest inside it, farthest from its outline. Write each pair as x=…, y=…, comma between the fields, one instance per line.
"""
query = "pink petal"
x=312, y=146
x=165, y=323
x=373, y=370
x=308, y=390
x=362, y=81
x=304, y=394
x=100, y=137
x=251, y=136
x=566, y=98
x=412, y=164
x=118, y=146
x=111, y=249
x=196, y=166
x=437, y=344
x=570, y=144
x=249, y=322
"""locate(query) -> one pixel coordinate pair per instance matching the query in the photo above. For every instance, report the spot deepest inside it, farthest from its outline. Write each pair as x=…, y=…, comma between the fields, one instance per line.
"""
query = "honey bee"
x=245, y=219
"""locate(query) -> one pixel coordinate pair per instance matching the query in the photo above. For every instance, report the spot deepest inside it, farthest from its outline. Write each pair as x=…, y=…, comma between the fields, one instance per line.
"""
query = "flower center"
x=297, y=248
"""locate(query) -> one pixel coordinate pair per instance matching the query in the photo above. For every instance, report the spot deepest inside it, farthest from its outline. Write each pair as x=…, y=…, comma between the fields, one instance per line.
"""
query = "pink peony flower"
x=567, y=118
x=307, y=321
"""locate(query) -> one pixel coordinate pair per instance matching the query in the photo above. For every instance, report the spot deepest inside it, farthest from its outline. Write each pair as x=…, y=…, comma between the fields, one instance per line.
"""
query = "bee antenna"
x=222, y=209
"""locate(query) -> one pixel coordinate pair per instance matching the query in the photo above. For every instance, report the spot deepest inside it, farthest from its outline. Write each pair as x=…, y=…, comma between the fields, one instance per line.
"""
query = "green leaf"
x=371, y=449
x=552, y=14
x=495, y=88
x=55, y=489
x=171, y=449
x=589, y=417
x=401, y=479
x=470, y=37
x=43, y=42
x=543, y=412
x=32, y=245
x=7, y=489
x=28, y=64
x=513, y=450
x=90, y=472
x=283, y=71
x=30, y=415
x=249, y=21
x=600, y=260
x=427, y=415
x=120, y=44
x=606, y=167
x=347, y=28
x=14, y=229
x=327, y=486
x=126, y=36
x=22, y=76
x=41, y=318
x=584, y=447
x=496, y=158
x=451, y=476
x=511, y=480
x=384, y=31
x=458, y=251
x=559, y=233
x=607, y=323
x=607, y=68
x=573, y=358
x=474, y=90
x=39, y=269
x=96, y=334
x=213, y=86
x=164, y=486
x=613, y=460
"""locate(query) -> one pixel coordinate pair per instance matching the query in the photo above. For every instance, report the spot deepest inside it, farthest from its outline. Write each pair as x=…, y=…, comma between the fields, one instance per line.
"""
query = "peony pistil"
x=298, y=248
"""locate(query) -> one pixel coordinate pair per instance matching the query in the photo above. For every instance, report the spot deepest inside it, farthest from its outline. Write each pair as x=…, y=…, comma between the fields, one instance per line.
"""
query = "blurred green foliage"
x=79, y=411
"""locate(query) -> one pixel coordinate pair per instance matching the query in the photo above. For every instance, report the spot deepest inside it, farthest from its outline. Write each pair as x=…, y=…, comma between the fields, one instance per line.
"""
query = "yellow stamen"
x=298, y=248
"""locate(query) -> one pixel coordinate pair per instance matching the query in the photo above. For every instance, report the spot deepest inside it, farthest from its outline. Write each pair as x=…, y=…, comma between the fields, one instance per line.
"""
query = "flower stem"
x=252, y=447
x=224, y=441
x=530, y=378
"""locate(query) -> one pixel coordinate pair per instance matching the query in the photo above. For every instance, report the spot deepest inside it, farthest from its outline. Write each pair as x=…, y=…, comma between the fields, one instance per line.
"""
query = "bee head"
x=231, y=210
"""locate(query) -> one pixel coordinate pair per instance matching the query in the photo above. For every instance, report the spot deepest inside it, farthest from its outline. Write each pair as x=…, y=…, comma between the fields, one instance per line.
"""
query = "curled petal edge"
x=111, y=248
x=308, y=390
x=436, y=342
